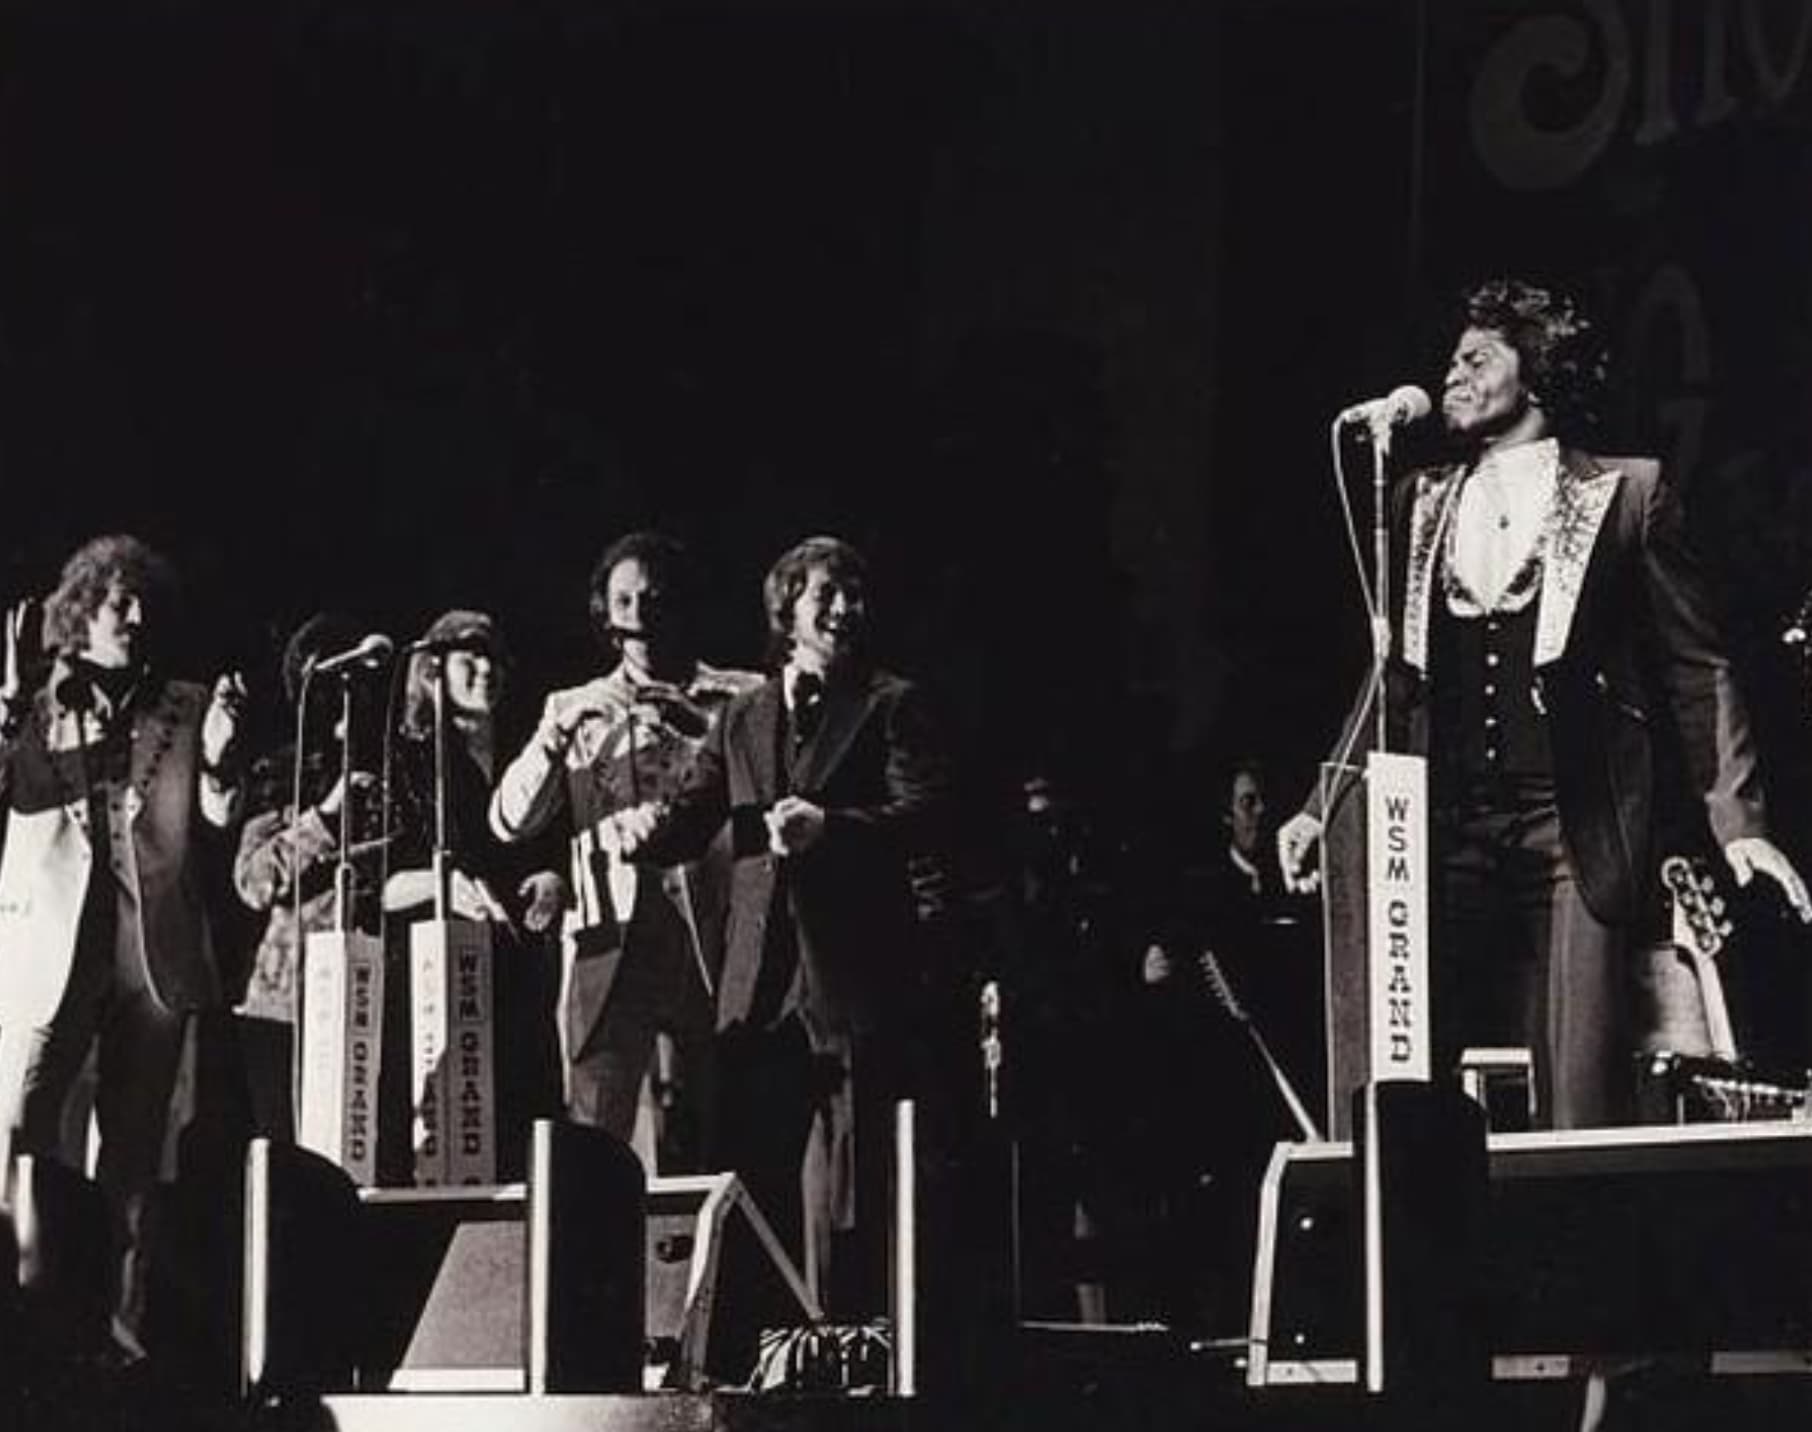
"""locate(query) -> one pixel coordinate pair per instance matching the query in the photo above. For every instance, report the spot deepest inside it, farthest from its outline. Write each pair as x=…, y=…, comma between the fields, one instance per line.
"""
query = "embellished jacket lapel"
x=1428, y=519
x=1582, y=496
x=152, y=734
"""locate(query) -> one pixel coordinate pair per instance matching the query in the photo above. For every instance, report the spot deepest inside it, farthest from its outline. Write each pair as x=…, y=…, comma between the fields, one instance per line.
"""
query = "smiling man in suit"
x=830, y=781
x=1553, y=652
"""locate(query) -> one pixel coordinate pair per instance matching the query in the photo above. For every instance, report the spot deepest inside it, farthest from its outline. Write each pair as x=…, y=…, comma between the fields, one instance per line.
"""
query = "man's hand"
x=363, y=784
x=627, y=831
x=544, y=896
x=795, y=825
x=1298, y=839
x=566, y=711
x=22, y=632
x=1753, y=855
x=220, y=727
x=1157, y=966
x=473, y=899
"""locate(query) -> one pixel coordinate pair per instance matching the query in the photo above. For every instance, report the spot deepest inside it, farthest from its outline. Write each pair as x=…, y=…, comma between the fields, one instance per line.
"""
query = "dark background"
x=395, y=306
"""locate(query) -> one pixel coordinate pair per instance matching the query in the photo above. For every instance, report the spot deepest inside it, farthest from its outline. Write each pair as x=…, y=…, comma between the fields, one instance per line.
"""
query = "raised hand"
x=662, y=703
x=220, y=726
x=23, y=644
x=544, y=896
x=566, y=711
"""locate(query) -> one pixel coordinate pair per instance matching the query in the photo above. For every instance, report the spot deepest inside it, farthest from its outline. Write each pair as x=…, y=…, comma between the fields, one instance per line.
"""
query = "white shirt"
x=1503, y=512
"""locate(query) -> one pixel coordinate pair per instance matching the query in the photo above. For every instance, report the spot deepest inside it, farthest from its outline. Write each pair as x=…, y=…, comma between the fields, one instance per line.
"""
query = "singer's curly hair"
x=668, y=561
x=786, y=579
x=1562, y=361
x=89, y=575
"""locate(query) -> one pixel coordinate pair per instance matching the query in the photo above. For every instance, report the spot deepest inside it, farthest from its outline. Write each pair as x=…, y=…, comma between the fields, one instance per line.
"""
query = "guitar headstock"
x=1701, y=915
x=1219, y=985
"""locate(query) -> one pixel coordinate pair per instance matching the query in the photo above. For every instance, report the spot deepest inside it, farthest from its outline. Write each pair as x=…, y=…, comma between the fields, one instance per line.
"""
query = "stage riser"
x=1630, y=1242
x=664, y=1412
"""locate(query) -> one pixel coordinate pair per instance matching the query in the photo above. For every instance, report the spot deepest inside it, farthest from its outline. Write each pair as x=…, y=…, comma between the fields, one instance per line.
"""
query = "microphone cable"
x=1367, y=593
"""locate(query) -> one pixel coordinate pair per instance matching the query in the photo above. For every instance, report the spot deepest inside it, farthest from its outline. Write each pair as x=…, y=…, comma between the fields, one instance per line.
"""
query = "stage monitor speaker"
x=586, y=1275
x=508, y=1287
x=305, y=1295
x=64, y=1266
x=1682, y=1241
x=717, y=1275
x=580, y=1280
x=1421, y=1184
x=445, y=1308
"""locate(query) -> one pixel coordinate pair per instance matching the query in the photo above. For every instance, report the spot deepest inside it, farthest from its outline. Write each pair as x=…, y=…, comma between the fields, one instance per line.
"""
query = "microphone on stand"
x=442, y=645
x=368, y=655
x=1398, y=408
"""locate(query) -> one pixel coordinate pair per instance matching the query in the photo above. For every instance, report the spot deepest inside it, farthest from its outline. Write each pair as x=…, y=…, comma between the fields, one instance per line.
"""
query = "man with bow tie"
x=1555, y=657
x=107, y=775
x=829, y=781
x=641, y=947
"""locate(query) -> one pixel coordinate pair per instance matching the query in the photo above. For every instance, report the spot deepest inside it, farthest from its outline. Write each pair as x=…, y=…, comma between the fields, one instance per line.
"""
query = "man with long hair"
x=107, y=773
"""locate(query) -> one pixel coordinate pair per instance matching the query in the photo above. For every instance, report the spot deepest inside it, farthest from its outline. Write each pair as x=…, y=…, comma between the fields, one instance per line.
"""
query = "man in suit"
x=641, y=947
x=1552, y=636
x=829, y=780
x=108, y=774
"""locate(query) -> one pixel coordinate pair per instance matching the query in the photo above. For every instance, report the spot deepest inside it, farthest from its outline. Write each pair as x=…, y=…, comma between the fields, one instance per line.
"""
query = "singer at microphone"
x=1552, y=616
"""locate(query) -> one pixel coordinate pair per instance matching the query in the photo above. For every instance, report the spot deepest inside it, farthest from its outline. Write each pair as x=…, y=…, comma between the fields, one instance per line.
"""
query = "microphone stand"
x=343, y=876
x=345, y=881
x=295, y=876
x=339, y=1047
x=451, y=1006
x=1381, y=436
x=442, y=857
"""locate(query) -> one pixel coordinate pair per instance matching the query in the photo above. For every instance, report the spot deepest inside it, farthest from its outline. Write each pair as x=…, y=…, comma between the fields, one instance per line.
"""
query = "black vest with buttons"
x=1487, y=730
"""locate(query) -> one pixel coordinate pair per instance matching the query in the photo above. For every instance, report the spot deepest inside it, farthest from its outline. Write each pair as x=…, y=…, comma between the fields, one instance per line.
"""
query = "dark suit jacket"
x=1626, y=645
x=875, y=768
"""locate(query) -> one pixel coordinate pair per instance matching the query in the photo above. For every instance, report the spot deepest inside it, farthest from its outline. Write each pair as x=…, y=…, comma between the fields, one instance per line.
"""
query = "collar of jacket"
x=1582, y=496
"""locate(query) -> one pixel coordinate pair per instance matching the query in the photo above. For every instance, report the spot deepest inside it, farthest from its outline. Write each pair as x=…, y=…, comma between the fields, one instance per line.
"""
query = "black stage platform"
x=1118, y=1379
